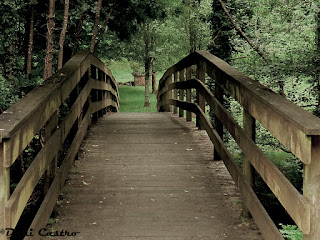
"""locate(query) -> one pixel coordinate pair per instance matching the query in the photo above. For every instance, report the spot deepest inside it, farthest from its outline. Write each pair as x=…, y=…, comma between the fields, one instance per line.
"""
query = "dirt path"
x=150, y=176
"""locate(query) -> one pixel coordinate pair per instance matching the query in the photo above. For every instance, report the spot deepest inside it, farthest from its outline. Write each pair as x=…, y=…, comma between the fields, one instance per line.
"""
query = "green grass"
x=121, y=70
x=132, y=100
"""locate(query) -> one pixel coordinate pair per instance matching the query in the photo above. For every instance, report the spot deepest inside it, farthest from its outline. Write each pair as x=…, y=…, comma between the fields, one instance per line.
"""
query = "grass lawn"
x=132, y=99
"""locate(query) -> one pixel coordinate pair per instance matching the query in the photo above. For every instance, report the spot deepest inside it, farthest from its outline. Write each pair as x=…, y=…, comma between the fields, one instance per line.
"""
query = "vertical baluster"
x=218, y=92
x=249, y=125
x=175, y=92
x=311, y=182
x=167, y=94
x=50, y=128
x=181, y=92
x=4, y=191
x=94, y=92
x=100, y=92
x=188, y=93
x=201, y=75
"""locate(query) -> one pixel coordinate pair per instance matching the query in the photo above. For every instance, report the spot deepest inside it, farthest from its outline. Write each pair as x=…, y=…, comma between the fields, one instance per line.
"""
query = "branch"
x=256, y=48
x=103, y=29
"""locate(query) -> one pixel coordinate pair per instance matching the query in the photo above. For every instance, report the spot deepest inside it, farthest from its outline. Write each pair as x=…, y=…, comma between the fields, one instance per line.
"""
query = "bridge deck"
x=150, y=176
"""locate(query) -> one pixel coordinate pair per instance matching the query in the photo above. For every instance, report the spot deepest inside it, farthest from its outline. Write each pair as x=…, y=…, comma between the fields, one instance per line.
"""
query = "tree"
x=49, y=54
x=63, y=33
x=96, y=25
x=30, y=44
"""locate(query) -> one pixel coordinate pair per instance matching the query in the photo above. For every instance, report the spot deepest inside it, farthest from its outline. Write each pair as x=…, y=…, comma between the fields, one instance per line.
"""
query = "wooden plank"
x=255, y=92
x=295, y=204
x=21, y=136
x=261, y=217
x=30, y=179
x=50, y=199
x=95, y=84
x=290, y=198
x=249, y=126
x=200, y=75
x=96, y=106
x=28, y=116
x=23, y=191
x=311, y=189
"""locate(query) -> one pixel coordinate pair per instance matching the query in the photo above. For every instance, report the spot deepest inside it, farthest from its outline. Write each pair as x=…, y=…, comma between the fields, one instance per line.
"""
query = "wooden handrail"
x=296, y=128
x=88, y=86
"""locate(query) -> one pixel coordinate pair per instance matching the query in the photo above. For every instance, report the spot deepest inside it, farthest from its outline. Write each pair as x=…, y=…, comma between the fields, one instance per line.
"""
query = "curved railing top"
x=58, y=86
x=300, y=118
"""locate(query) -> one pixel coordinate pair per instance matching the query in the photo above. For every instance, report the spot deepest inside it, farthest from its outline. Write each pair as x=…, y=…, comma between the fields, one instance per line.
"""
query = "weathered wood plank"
x=30, y=179
x=311, y=176
x=49, y=202
x=249, y=126
x=261, y=217
x=294, y=115
x=95, y=84
x=290, y=198
x=25, y=121
x=96, y=106
x=24, y=189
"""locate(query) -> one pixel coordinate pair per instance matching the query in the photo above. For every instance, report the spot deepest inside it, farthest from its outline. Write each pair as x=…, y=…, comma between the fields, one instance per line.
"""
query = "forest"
x=274, y=42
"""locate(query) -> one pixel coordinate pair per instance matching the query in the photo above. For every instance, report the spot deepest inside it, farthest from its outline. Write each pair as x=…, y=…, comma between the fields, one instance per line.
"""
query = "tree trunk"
x=49, y=54
x=63, y=33
x=154, y=83
x=96, y=24
x=30, y=45
x=192, y=33
x=147, y=65
x=147, y=82
x=78, y=33
x=103, y=29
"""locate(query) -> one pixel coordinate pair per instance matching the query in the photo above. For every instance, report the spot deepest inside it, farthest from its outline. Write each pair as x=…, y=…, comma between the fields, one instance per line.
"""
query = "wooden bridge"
x=154, y=175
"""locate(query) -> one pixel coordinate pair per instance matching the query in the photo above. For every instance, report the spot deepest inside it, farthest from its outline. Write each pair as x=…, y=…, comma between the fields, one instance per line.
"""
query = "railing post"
x=188, y=94
x=108, y=94
x=175, y=91
x=50, y=128
x=249, y=125
x=4, y=191
x=181, y=92
x=167, y=95
x=94, y=93
x=201, y=75
x=311, y=188
x=218, y=92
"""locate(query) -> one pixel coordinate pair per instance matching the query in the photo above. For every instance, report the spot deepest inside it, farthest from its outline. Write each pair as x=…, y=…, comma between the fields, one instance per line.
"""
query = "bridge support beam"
x=311, y=188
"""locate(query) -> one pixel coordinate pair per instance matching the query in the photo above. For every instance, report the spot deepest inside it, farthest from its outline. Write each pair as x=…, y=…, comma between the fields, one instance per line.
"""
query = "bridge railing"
x=58, y=113
x=295, y=128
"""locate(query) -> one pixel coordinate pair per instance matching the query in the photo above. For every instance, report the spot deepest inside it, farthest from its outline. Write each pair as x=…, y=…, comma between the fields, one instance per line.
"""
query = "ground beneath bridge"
x=150, y=176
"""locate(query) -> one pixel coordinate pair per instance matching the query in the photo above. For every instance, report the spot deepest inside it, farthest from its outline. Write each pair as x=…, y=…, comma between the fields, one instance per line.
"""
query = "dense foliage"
x=153, y=35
